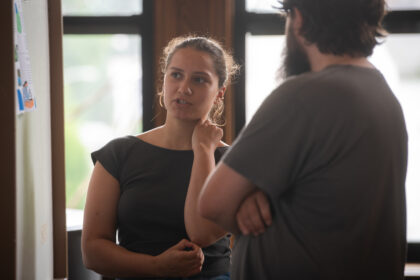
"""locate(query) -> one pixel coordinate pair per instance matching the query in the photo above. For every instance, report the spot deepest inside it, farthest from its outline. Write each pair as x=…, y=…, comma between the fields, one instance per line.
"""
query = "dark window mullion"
x=273, y=24
x=148, y=69
x=264, y=24
x=102, y=25
x=402, y=22
x=239, y=45
x=413, y=253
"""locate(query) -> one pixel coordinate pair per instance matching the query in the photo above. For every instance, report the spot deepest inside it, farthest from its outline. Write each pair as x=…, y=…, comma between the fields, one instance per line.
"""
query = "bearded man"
x=326, y=151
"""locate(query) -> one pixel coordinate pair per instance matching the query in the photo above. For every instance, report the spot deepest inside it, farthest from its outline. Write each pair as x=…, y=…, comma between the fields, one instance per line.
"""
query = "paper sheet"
x=25, y=98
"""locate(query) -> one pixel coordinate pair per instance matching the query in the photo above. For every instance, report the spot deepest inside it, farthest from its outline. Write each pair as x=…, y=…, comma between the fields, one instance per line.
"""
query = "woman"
x=144, y=187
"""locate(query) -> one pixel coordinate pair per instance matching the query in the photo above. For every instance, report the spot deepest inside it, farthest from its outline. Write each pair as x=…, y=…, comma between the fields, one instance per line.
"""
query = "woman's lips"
x=181, y=101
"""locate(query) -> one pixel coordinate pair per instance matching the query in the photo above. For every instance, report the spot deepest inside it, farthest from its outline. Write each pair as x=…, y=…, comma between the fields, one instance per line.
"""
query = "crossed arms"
x=233, y=202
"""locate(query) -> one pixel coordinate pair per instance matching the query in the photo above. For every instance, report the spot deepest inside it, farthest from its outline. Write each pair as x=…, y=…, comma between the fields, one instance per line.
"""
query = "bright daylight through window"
x=102, y=101
x=101, y=7
x=103, y=98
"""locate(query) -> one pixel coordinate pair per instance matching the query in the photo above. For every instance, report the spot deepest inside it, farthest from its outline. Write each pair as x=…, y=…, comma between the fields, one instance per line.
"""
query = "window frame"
x=139, y=24
x=142, y=25
x=395, y=22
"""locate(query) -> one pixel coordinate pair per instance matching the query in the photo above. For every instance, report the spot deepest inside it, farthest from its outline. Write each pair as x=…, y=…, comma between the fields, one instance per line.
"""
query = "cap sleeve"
x=112, y=155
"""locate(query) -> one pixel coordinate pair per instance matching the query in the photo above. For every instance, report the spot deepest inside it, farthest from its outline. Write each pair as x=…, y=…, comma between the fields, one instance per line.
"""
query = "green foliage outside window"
x=102, y=101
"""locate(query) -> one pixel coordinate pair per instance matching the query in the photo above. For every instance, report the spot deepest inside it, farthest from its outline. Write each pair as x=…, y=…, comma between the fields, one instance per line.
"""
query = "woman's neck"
x=176, y=134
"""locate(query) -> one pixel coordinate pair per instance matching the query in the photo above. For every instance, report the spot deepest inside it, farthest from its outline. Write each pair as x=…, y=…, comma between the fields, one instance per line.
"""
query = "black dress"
x=153, y=187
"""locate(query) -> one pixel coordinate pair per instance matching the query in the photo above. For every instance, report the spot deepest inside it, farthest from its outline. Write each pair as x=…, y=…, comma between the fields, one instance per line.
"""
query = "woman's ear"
x=220, y=94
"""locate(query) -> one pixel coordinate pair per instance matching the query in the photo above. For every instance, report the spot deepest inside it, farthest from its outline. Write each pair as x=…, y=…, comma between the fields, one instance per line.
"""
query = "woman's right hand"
x=181, y=260
x=206, y=135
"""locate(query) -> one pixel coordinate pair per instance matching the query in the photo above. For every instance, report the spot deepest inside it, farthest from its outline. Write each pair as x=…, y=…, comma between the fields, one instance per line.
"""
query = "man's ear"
x=297, y=24
x=297, y=20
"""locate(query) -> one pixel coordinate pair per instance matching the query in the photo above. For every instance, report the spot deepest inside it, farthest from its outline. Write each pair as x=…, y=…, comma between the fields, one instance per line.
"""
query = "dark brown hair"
x=340, y=27
x=224, y=64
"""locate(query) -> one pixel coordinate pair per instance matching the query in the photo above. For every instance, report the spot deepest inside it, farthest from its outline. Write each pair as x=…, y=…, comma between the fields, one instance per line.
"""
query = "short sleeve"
x=271, y=149
x=111, y=156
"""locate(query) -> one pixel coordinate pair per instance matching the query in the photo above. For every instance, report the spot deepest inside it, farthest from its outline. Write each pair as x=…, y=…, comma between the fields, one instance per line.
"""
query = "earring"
x=161, y=103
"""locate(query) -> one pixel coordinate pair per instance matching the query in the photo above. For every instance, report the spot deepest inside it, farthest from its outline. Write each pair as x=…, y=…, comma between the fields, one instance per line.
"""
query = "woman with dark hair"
x=141, y=185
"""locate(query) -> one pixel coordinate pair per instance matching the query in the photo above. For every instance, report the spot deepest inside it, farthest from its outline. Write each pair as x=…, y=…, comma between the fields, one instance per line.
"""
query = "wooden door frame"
x=55, y=26
x=7, y=144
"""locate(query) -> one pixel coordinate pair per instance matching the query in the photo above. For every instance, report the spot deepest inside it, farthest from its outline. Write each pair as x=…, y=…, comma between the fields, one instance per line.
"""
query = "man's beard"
x=295, y=60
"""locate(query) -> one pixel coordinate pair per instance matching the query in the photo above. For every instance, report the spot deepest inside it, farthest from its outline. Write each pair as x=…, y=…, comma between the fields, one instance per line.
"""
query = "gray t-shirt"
x=330, y=150
x=153, y=187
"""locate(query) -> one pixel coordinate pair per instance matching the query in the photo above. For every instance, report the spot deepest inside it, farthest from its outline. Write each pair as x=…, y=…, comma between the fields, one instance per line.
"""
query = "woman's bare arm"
x=103, y=255
x=201, y=231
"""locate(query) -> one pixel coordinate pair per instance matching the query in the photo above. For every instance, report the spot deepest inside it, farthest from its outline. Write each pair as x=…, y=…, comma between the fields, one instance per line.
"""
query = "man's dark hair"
x=340, y=27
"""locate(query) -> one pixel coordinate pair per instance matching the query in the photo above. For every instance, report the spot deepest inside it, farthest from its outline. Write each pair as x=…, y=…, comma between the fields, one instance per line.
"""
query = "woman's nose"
x=185, y=88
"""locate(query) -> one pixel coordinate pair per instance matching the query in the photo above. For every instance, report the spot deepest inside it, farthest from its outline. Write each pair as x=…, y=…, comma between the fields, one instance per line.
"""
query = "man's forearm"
x=227, y=221
x=222, y=195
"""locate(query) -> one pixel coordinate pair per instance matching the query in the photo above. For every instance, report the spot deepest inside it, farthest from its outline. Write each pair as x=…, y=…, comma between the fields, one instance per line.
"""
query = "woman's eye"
x=199, y=80
x=176, y=75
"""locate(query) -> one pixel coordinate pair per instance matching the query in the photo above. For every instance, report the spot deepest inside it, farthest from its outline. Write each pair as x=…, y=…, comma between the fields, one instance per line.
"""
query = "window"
x=101, y=7
x=268, y=6
x=259, y=43
x=399, y=61
x=403, y=4
x=102, y=101
x=261, y=6
x=103, y=75
x=257, y=81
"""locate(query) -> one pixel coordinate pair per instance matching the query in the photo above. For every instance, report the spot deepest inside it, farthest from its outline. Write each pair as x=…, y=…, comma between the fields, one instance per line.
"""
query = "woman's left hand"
x=206, y=136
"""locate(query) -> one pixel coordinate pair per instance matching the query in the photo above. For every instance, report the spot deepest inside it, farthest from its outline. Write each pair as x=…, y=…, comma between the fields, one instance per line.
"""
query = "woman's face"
x=190, y=85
